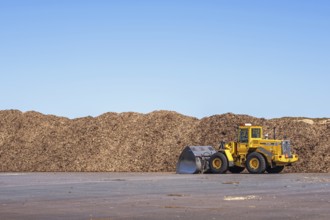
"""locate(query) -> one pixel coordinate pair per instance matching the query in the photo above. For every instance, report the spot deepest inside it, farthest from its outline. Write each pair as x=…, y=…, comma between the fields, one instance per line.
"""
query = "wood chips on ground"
x=131, y=142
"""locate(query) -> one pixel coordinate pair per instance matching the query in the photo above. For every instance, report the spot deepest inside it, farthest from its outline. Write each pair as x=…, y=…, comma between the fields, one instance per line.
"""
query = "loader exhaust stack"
x=194, y=159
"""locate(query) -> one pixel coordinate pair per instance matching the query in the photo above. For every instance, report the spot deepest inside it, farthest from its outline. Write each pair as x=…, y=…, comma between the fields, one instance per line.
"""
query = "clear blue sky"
x=78, y=58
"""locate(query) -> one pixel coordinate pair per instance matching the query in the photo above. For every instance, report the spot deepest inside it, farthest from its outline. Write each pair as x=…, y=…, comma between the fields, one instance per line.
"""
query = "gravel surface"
x=163, y=196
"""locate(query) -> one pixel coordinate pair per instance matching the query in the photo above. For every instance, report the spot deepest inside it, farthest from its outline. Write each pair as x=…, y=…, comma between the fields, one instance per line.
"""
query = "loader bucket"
x=194, y=159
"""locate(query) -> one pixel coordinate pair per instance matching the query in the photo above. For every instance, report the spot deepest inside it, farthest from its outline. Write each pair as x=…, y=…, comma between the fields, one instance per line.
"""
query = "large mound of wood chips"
x=32, y=141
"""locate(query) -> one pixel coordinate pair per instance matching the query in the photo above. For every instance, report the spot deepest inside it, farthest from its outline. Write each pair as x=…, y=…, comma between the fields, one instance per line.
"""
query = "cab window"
x=244, y=135
x=256, y=133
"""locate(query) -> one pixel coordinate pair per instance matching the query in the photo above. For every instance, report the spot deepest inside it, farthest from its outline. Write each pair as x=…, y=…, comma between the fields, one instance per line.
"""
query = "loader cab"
x=248, y=133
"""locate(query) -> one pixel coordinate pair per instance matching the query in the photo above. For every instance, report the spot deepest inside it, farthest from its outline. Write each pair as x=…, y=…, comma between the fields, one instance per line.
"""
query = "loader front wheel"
x=276, y=169
x=218, y=163
x=255, y=163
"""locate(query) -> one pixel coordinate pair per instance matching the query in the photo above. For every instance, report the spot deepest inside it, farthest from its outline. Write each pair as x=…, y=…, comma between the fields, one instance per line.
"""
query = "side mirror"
x=222, y=145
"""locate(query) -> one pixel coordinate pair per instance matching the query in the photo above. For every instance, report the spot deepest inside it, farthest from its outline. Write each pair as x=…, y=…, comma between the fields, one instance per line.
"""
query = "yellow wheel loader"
x=251, y=151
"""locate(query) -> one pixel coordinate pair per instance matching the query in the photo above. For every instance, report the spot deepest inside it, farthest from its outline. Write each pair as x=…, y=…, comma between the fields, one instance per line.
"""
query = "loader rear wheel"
x=218, y=163
x=255, y=163
x=236, y=169
x=276, y=169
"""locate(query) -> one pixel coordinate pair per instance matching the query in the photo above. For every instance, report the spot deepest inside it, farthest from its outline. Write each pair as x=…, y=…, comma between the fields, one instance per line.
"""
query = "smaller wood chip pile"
x=140, y=142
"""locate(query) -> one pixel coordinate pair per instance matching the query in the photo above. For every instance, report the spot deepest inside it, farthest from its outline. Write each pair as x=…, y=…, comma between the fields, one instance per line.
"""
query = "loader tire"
x=236, y=169
x=255, y=163
x=218, y=163
x=276, y=169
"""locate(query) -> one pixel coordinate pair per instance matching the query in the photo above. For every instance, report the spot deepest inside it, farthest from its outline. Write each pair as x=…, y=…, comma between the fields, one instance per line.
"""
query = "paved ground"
x=163, y=196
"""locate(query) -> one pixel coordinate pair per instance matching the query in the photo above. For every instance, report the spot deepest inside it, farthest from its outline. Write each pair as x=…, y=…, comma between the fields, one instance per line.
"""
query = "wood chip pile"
x=133, y=142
